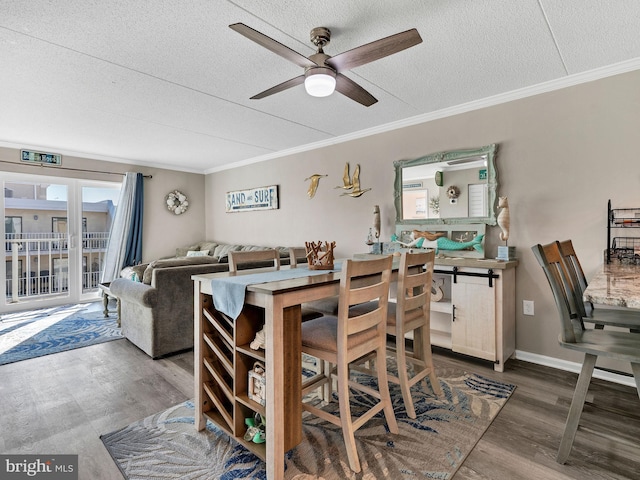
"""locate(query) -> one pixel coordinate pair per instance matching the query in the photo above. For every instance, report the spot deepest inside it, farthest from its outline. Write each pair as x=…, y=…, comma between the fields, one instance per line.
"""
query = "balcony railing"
x=37, y=263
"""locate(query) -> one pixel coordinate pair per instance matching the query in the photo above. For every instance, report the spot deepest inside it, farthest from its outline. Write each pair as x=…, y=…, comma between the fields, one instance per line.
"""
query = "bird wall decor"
x=313, y=186
x=352, y=183
x=346, y=178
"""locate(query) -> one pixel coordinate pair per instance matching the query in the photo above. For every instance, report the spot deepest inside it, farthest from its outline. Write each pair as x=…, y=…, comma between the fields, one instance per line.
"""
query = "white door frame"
x=74, y=225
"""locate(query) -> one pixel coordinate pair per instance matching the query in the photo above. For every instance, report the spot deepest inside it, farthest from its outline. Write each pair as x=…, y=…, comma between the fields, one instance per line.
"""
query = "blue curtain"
x=125, y=238
x=133, y=249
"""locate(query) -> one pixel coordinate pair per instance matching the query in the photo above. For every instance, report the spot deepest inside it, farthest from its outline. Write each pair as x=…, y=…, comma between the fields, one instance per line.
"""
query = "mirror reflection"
x=457, y=186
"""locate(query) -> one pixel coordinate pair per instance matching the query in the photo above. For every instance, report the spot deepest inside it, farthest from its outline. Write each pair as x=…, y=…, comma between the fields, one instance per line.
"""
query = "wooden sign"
x=262, y=198
x=40, y=157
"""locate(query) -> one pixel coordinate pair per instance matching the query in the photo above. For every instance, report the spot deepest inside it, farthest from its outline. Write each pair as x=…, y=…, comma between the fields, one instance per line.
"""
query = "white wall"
x=561, y=156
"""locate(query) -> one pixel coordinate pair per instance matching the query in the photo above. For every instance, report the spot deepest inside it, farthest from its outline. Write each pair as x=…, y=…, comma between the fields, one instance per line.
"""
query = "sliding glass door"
x=55, y=233
x=98, y=210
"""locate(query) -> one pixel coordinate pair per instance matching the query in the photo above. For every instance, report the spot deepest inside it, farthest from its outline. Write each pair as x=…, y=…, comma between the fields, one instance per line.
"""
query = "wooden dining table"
x=615, y=284
x=281, y=301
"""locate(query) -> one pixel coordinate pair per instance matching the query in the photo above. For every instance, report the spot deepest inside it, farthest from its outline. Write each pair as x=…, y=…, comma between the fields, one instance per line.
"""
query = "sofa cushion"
x=182, y=251
x=211, y=246
x=253, y=248
x=223, y=250
x=134, y=272
x=175, y=262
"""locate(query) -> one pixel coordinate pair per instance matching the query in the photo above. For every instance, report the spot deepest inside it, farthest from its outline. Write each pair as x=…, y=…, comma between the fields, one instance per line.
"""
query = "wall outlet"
x=527, y=307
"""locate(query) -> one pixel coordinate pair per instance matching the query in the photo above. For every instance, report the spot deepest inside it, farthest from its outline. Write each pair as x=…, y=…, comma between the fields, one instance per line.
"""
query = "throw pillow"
x=197, y=253
x=139, y=270
x=222, y=251
x=211, y=246
x=182, y=251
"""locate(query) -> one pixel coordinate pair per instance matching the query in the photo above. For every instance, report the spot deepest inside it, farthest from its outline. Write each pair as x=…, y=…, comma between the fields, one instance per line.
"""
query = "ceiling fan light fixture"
x=320, y=81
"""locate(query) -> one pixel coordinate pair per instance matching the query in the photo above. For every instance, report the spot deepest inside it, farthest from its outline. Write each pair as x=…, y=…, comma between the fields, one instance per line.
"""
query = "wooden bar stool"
x=411, y=313
x=343, y=339
x=236, y=259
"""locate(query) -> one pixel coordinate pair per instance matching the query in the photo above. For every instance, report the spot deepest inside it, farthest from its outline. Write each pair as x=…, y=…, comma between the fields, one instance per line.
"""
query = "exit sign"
x=482, y=174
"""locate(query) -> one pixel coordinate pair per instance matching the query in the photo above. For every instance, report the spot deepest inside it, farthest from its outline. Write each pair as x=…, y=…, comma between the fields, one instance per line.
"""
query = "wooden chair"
x=612, y=316
x=593, y=343
x=308, y=310
x=326, y=306
x=261, y=256
x=343, y=339
x=411, y=312
x=296, y=254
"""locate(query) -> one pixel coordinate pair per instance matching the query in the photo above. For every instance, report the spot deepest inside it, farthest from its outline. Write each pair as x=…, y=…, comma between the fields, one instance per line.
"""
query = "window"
x=59, y=224
x=12, y=225
x=61, y=274
x=478, y=200
x=9, y=266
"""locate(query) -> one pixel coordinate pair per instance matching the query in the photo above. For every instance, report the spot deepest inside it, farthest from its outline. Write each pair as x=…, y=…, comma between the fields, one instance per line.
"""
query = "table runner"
x=228, y=292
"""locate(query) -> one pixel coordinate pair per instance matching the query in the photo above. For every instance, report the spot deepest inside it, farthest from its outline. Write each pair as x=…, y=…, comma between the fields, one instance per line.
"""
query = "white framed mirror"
x=450, y=187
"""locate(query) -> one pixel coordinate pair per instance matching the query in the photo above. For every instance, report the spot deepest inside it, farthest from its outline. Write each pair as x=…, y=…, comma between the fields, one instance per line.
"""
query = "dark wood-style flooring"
x=62, y=403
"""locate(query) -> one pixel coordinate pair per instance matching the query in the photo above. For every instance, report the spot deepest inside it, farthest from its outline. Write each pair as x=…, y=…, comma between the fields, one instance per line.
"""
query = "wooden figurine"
x=376, y=221
x=503, y=218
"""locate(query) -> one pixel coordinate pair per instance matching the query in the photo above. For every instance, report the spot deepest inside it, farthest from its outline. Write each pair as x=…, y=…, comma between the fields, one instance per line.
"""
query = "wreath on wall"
x=453, y=191
x=177, y=202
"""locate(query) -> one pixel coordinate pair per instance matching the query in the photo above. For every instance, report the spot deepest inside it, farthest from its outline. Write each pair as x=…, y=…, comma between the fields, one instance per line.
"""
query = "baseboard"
x=621, y=378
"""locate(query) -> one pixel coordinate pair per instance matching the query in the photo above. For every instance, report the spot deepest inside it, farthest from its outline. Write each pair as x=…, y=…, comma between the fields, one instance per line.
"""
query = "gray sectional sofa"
x=156, y=299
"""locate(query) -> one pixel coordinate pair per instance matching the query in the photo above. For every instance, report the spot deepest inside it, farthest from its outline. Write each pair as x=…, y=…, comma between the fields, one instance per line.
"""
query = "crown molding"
x=545, y=87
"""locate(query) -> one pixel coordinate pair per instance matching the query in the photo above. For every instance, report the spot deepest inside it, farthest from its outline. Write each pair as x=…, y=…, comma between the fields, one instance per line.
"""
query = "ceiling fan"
x=323, y=73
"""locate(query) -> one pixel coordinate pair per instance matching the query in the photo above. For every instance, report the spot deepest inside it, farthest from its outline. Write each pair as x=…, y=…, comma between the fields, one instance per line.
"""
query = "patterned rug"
x=434, y=445
x=41, y=332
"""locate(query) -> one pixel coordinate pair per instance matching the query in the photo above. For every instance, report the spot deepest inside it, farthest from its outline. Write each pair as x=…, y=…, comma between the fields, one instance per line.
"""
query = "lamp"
x=320, y=81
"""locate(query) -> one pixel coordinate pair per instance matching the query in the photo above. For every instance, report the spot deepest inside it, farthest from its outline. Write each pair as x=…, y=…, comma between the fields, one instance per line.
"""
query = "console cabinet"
x=476, y=315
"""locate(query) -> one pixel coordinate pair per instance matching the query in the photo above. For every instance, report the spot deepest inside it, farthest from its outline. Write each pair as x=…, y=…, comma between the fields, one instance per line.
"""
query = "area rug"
x=42, y=332
x=434, y=445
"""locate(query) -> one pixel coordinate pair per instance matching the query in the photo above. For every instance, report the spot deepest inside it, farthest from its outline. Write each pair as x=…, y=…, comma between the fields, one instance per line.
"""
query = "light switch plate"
x=527, y=307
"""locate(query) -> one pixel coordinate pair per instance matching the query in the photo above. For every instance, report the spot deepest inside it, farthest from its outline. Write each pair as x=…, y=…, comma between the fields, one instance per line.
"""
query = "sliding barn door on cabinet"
x=473, y=327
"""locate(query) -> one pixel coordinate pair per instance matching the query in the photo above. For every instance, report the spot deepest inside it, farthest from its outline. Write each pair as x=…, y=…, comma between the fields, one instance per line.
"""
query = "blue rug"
x=432, y=446
x=43, y=332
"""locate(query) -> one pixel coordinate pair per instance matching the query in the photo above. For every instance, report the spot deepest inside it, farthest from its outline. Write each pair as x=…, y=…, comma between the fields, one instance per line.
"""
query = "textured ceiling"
x=167, y=83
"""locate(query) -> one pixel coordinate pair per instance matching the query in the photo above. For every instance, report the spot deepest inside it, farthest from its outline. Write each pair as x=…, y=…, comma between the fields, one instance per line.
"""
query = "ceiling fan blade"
x=278, y=88
x=271, y=44
x=351, y=89
x=375, y=50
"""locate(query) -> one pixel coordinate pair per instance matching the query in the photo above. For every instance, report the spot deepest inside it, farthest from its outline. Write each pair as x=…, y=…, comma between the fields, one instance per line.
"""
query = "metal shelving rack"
x=622, y=218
